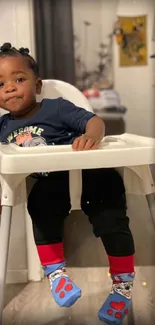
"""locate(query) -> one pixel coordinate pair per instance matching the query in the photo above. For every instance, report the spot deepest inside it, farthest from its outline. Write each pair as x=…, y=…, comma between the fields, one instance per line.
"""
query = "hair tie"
x=23, y=50
x=6, y=47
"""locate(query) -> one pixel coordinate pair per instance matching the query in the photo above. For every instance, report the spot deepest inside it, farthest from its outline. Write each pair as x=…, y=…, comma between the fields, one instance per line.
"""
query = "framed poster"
x=133, y=45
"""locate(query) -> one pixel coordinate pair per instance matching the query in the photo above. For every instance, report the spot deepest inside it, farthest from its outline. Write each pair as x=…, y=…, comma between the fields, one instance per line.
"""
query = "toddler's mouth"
x=13, y=100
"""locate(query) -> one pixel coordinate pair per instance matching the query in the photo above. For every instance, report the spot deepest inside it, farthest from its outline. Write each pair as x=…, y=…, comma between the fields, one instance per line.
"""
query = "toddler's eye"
x=19, y=80
x=1, y=84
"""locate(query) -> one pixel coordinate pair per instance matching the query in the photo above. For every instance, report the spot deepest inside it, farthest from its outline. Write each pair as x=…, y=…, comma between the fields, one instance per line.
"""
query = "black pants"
x=103, y=200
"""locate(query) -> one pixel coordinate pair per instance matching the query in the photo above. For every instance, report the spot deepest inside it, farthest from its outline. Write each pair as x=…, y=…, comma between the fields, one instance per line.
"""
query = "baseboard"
x=17, y=276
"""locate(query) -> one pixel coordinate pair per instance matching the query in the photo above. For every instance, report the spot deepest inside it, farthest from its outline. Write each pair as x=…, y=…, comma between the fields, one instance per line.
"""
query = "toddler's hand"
x=85, y=142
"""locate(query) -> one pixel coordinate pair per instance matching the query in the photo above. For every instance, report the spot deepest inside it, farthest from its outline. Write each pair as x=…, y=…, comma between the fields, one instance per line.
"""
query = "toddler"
x=59, y=122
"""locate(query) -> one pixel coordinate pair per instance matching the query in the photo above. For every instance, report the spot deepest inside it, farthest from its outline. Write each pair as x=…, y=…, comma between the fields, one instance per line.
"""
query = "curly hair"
x=7, y=50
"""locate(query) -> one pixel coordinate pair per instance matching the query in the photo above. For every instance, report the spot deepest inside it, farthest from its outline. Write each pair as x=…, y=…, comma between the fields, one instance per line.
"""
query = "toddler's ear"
x=38, y=86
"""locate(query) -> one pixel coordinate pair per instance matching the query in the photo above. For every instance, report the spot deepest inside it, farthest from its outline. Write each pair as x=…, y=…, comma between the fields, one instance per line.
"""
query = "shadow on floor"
x=12, y=290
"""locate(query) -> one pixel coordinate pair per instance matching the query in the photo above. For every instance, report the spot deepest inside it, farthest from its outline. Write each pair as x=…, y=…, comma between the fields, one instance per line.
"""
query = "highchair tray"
x=115, y=151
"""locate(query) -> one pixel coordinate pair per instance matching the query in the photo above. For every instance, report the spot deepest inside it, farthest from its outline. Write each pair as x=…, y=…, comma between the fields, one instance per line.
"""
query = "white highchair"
x=134, y=153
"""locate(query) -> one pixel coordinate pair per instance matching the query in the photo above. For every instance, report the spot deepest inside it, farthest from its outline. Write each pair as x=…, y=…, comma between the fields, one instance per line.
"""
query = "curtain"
x=54, y=39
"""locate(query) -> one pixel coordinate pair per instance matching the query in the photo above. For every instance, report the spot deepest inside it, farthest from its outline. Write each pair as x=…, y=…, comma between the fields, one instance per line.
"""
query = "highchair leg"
x=5, y=226
x=151, y=203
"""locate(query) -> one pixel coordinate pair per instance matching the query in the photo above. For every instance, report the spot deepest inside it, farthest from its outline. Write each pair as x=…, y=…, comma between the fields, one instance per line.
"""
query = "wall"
x=88, y=10
x=16, y=27
x=135, y=84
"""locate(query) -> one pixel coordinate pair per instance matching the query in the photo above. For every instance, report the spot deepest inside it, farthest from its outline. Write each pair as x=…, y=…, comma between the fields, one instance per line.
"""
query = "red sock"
x=51, y=254
x=121, y=264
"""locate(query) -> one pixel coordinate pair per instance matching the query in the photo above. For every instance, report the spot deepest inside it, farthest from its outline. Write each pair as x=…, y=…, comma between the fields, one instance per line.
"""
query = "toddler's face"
x=18, y=85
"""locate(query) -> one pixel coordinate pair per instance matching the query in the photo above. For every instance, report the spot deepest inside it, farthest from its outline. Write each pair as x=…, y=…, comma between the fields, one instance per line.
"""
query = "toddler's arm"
x=95, y=131
x=86, y=123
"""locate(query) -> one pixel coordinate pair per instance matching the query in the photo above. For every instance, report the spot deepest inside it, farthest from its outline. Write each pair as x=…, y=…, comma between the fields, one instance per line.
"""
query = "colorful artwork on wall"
x=131, y=35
